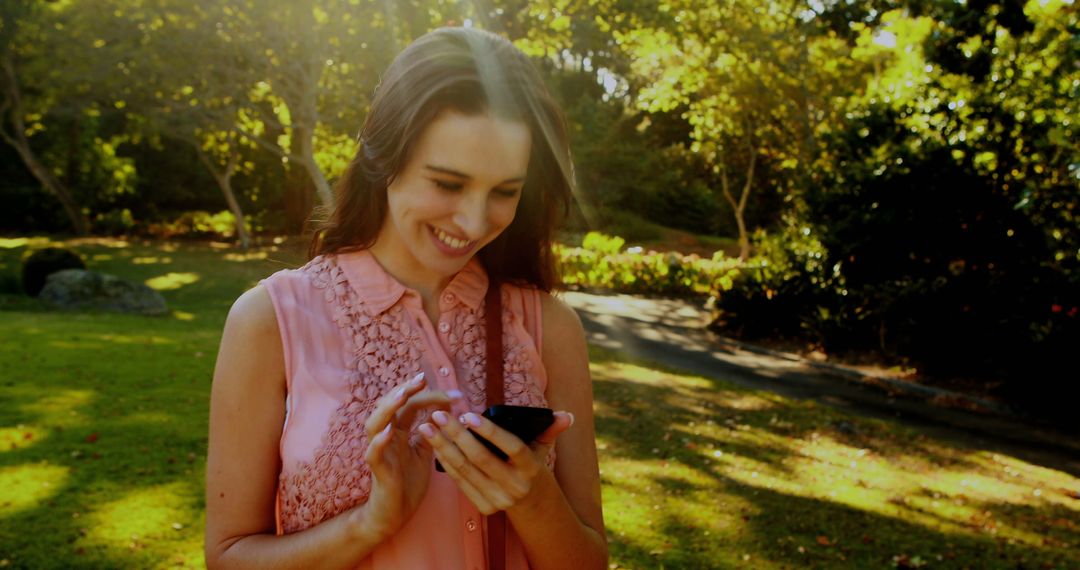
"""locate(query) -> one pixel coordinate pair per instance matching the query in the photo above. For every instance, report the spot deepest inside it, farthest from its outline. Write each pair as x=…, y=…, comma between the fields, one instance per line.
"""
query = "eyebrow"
x=452, y=172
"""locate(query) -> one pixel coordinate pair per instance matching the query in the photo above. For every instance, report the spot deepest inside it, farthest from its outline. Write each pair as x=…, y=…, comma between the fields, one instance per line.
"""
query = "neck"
x=427, y=284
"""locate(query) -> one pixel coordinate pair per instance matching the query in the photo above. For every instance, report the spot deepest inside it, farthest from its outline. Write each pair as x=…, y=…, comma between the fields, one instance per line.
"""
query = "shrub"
x=44, y=262
x=114, y=223
x=9, y=283
x=786, y=290
x=601, y=263
x=198, y=224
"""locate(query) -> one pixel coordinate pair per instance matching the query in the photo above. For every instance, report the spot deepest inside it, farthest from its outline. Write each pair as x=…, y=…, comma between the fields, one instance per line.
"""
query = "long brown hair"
x=469, y=71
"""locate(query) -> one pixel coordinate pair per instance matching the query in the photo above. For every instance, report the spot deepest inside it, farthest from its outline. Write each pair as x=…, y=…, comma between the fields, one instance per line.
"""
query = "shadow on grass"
x=790, y=531
x=759, y=473
x=122, y=429
x=103, y=416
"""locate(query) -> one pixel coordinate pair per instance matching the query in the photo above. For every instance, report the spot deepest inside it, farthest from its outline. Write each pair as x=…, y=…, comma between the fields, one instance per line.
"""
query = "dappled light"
x=25, y=242
x=250, y=256
x=143, y=521
x=68, y=404
x=151, y=260
x=29, y=486
x=172, y=280
x=132, y=339
x=682, y=456
x=20, y=436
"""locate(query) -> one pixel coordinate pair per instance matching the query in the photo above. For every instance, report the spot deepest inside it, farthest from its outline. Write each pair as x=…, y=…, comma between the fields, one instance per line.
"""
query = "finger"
x=427, y=399
x=563, y=421
x=456, y=465
x=510, y=444
x=450, y=454
x=389, y=404
x=479, y=456
x=373, y=456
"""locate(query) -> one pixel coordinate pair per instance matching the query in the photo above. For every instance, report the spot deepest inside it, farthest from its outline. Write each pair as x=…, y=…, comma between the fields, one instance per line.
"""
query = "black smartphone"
x=523, y=421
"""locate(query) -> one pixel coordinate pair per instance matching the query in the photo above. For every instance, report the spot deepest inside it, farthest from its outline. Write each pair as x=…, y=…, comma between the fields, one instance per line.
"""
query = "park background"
x=892, y=183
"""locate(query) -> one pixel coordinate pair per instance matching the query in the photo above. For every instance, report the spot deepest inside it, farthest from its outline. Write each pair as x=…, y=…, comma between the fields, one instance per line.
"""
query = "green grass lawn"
x=103, y=440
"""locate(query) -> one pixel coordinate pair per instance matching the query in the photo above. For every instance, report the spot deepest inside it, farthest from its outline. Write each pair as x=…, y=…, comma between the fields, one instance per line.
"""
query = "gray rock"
x=82, y=289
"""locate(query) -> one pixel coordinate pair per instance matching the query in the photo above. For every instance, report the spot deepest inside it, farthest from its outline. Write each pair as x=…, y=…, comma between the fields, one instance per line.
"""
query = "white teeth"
x=450, y=241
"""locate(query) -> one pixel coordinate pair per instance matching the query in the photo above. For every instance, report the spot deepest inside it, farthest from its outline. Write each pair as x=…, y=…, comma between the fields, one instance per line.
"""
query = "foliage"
x=9, y=283
x=947, y=202
x=908, y=137
x=114, y=222
x=601, y=263
x=787, y=290
x=197, y=224
x=40, y=264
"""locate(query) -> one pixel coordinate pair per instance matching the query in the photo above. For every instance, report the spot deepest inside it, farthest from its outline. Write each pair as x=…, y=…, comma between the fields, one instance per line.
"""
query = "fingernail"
x=571, y=418
x=455, y=394
x=471, y=419
x=386, y=430
x=399, y=394
x=440, y=418
x=427, y=430
x=416, y=380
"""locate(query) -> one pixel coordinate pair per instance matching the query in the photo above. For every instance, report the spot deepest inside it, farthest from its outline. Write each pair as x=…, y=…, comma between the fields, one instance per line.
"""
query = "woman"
x=339, y=384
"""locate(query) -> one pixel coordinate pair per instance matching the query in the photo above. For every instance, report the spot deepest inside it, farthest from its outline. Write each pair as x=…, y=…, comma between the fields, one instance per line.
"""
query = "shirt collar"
x=380, y=290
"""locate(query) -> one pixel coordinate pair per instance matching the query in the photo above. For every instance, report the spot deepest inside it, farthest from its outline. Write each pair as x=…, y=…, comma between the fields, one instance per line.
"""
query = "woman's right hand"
x=400, y=463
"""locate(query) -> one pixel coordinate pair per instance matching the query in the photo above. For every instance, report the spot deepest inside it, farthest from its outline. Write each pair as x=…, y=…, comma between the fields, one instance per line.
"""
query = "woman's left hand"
x=490, y=483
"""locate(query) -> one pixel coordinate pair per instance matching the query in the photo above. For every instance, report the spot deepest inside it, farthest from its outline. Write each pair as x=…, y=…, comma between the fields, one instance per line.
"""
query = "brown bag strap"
x=493, y=319
x=496, y=523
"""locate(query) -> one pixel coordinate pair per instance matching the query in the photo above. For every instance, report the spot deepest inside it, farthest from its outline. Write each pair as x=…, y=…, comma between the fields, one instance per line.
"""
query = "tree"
x=27, y=31
x=317, y=64
x=742, y=71
x=190, y=88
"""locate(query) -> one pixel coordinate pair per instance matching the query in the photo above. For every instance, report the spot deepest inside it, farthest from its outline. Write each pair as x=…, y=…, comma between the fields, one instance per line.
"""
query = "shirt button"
x=444, y=371
x=444, y=327
x=448, y=298
x=471, y=525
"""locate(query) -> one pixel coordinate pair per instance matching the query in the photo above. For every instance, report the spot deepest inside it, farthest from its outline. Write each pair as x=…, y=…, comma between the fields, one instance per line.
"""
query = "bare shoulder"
x=561, y=325
x=251, y=349
x=254, y=311
x=566, y=357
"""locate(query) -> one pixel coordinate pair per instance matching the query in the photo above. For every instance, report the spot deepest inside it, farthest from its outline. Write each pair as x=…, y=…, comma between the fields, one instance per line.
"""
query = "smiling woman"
x=339, y=384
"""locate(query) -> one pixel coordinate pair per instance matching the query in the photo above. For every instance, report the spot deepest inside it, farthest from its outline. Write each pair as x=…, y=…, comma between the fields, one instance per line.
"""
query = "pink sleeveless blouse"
x=350, y=333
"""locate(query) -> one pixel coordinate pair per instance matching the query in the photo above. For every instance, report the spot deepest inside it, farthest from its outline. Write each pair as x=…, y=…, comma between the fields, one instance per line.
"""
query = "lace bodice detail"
x=383, y=348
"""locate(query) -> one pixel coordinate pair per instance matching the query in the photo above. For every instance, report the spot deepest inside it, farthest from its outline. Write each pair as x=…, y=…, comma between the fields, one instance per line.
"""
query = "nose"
x=471, y=216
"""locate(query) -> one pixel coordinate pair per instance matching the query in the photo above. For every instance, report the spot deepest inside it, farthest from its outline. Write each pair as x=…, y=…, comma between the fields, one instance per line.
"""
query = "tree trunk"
x=79, y=222
x=224, y=181
x=307, y=160
x=12, y=103
x=298, y=199
x=739, y=206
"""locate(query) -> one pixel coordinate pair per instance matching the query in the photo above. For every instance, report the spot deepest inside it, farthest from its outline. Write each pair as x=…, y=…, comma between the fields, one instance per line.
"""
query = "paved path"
x=671, y=332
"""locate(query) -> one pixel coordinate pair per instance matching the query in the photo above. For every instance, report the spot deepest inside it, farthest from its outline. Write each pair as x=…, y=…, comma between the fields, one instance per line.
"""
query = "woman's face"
x=458, y=191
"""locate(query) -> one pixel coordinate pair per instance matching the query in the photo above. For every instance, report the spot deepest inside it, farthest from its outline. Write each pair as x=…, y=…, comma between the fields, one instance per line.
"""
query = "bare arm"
x=573, y=533
x=556, y=515
x=247, y=411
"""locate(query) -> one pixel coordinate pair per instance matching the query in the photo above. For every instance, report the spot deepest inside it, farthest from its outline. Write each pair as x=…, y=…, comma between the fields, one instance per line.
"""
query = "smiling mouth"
x=451, y=241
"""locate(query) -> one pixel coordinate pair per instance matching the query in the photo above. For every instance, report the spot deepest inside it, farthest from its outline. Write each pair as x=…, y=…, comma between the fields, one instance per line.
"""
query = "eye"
x=507, y=192
x=448, y=186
